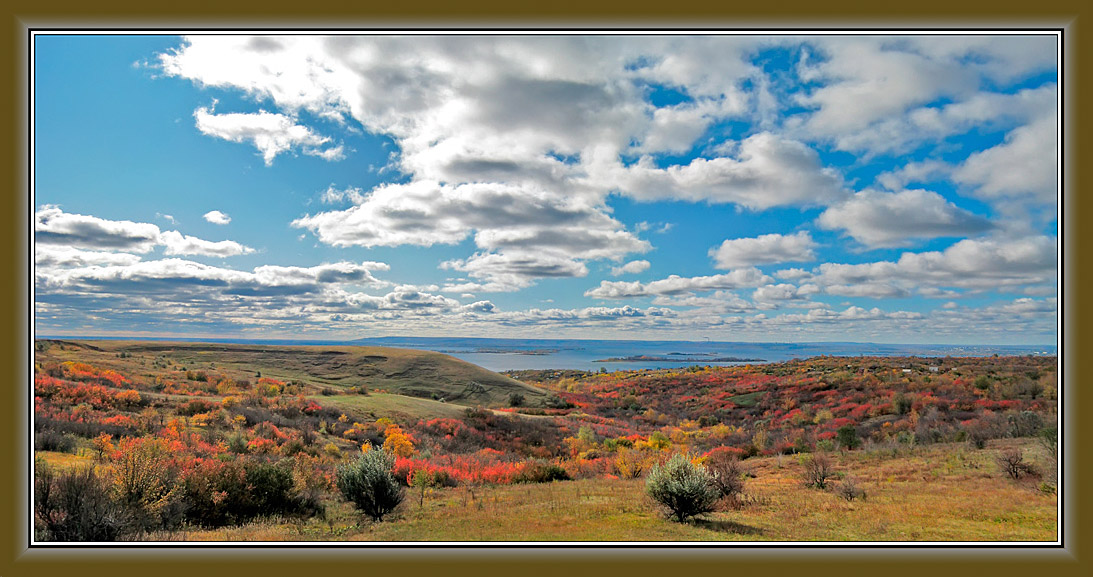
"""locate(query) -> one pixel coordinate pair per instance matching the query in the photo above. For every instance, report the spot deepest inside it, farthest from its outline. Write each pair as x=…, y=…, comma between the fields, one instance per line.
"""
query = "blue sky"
x=781, y=188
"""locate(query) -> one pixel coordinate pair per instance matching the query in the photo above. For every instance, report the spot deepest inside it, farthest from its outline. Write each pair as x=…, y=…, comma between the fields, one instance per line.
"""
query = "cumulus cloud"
x=55, y=229
x=512, y=270
x=878, y=94
x=632, y=267
x=53, y=256
x=765, y=249
x=217, y=217
x=1024, y=166
x=930, y=124
x=914, y=172
x=970, y=264
x=779, y=293
x=675, y=285
x=767, y=171
x=176, y=243
x=272, y=134
x=525, y=234
x=880, y=219
x=54, y=226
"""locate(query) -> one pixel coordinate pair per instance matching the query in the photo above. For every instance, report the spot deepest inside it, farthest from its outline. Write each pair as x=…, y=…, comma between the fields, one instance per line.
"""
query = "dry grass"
x=387, y=405
x=64, y=461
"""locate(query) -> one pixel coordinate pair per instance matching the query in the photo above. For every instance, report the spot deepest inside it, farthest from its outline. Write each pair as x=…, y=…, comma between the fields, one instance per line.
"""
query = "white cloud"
x=632, y=267
x=272, y=134
x=334, y=196
x=176, y=243
x=719, y=302
x=915, y=172
x=54, y=226
x=55, y=229
x=524, y=233
x=976, y=265
x=1024, y=166
x=879, y=94
x=792, y=274
x=674, y=285
x=881, y=219
x=510, y=271
x=776, y=293
x=217, y=217
x=53, y=256
x=767, y=171
x=765, y=249
x=932, y=124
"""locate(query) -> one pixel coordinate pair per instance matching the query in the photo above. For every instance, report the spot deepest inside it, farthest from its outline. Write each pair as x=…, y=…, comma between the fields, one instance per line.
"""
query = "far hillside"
x=330, y=369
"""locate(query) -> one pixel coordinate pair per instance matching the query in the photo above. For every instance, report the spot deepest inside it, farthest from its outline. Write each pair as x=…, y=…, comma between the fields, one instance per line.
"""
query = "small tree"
x=818, y=470
x=684, y=488
x=370, y=484
x=847, y=436
x=516, y=400
x=1012, y=462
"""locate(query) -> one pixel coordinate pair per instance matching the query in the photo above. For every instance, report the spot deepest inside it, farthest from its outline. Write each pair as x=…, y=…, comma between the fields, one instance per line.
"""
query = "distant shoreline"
x=652, y=359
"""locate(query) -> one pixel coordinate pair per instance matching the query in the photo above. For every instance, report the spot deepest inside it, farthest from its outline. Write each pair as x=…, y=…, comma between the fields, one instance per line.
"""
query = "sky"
x=870, y=188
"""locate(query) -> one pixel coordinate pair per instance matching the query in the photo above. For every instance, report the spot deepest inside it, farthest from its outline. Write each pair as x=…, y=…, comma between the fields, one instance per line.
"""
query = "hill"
x=414, y=373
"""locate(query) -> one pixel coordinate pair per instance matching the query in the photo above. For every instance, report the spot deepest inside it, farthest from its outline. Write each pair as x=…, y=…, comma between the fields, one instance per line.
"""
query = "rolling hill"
x=414, y=373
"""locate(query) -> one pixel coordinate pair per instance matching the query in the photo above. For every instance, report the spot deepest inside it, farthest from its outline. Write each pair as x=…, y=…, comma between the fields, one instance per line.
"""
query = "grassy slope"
x=414, y=373
x=934, y=493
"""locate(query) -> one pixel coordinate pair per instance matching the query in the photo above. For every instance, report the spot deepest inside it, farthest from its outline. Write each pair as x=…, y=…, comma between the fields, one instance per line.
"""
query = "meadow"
x=195, y=442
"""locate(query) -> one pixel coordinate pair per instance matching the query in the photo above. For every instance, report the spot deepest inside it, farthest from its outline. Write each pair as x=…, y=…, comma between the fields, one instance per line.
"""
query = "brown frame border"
x=16, y=560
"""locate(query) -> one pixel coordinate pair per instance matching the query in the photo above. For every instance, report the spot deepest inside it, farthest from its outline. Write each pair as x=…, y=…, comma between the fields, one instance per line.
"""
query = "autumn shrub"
x=52, y=440
x=1025, y=423
x=220, y=493
x=146, y=482
x=194, y=407
x=817, y=470
x=76, y=505
x=729, y=473
x=1013, y=463
x=216, y=493
x=848, y=489
x=370, y=485
x=682, y=487
x=541, y=471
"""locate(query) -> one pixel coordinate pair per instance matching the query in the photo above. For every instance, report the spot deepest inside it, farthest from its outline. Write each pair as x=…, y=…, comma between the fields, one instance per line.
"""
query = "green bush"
x=219, y=493
x=682, y=487
x=370, y=484
x=847, y=436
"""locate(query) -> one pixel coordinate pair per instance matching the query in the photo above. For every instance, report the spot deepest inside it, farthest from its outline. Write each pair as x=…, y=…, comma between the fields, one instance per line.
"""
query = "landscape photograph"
x=502, y=288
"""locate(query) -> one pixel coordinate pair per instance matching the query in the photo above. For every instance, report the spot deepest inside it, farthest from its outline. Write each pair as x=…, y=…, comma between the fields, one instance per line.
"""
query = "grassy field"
x=935, y=493
x=376, y=405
